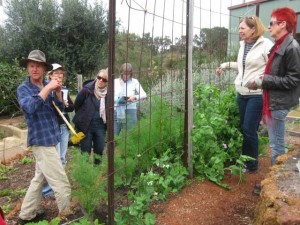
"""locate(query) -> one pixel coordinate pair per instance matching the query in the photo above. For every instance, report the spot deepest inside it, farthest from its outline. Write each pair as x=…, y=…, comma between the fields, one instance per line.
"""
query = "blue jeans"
x=127, y=123
x=61, y=148
x=250, y=109
x=276, y=130
x=95, y=137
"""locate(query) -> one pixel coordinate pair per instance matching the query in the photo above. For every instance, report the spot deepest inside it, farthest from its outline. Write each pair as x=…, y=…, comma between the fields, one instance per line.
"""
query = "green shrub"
x=11, y=75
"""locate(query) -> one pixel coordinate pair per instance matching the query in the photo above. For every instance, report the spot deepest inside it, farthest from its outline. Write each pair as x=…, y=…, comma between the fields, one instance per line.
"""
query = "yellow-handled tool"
x=77, y=137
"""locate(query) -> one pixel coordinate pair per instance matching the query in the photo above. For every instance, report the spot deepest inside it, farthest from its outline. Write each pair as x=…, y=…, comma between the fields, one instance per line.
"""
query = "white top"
x=130, y=88
x=255, y=64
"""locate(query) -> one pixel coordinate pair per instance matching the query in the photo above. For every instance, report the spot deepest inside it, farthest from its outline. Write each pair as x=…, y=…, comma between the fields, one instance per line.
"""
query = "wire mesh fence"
x=158, y=50
x=148, y=161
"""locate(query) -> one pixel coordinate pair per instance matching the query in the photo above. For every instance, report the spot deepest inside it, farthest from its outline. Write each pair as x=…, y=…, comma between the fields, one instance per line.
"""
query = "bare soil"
x=198, y=203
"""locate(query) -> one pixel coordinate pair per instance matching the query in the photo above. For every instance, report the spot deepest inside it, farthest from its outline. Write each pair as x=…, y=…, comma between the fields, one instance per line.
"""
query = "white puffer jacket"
x=255, y=64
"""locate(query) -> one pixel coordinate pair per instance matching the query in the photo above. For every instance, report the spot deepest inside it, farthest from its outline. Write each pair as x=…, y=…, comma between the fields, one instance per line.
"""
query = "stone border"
x=14, y=144
x=279, y=202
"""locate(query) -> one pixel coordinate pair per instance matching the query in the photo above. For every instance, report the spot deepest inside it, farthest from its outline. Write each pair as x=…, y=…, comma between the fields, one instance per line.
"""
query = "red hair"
x=288, y=15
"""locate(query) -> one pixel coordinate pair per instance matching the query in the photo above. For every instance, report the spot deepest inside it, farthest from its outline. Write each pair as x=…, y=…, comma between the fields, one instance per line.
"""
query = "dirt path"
x=208, y=204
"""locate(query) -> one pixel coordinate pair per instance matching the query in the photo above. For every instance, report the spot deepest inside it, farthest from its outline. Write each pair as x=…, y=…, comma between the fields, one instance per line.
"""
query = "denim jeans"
x=250, y=109
x=61, y=148
x=276, y=130
x=95, y=137
x=127, y=123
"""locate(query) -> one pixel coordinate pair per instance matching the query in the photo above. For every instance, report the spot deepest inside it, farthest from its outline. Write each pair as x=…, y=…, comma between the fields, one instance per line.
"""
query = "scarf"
x=266, y=113
x=100, y=95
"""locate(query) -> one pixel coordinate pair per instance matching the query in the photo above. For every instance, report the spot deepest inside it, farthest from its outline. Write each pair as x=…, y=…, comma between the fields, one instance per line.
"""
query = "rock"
x=279, y=202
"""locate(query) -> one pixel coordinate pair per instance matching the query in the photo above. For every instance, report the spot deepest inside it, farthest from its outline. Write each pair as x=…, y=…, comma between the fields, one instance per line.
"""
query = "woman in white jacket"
x=251, y=62
x=127, y=92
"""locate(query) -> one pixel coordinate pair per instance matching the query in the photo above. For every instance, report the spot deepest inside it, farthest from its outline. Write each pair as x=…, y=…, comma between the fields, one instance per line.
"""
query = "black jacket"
x=85, y=107
x=283, y=83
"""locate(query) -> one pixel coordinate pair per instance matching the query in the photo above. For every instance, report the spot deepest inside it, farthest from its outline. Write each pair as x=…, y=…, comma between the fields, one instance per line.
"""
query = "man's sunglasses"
x=101, y=78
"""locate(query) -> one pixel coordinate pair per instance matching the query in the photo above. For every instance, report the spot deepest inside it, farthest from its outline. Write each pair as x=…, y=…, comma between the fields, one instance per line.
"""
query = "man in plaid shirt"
x=36, y=99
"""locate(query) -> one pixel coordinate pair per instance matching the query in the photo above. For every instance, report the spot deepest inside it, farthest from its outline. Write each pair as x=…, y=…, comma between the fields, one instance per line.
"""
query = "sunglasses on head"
x=101, y=78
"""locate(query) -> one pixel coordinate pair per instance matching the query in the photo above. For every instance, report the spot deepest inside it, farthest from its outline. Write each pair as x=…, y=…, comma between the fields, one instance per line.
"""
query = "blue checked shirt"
x=40, y=115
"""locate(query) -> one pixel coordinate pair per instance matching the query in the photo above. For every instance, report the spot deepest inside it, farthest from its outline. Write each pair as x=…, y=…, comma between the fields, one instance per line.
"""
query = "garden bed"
x=198, y=203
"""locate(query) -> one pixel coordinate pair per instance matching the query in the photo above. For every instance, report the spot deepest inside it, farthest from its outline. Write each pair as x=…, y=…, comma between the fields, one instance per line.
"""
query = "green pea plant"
x=216, y=137
x=167, y=175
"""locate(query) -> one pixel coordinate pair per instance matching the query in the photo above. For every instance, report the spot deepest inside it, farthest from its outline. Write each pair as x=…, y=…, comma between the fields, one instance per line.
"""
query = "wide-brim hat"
x=37, y=56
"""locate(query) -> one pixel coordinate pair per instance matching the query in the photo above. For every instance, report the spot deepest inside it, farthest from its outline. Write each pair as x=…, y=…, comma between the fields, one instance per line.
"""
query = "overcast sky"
x=137, y=17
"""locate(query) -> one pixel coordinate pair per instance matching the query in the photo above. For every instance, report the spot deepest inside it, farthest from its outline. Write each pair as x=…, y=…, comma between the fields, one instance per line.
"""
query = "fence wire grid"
x=154, y=36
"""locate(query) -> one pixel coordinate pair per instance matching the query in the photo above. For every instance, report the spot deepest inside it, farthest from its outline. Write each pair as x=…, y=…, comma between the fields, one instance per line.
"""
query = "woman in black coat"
x=90, y=115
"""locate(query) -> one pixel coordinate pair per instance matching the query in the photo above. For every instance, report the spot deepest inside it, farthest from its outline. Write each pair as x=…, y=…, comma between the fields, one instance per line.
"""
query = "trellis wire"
x=170, y=85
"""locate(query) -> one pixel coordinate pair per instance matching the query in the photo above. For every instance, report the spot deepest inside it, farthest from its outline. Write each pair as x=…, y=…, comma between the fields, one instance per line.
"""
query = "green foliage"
x=210, y=44
x=89, y=181
x=173, y=172
x=216, y=137
x=13, y=193
x=237, y=168
x=5, y=192
x=10, y=78
x=169, y=177
x=68, y=37
x=26, y=160
x=139, y=153
x=263, y=143
x=3, y=171
x=134, y=214
x=27, y=26
x=161, y=126
x=56, y=221
x=148, y=170
x=125, y=175
x=140, y=52
x=6, y=208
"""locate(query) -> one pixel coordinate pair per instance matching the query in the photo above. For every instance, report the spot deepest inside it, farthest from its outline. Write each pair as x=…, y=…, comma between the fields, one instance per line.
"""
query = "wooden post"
x=79, y=82
x=188, y=154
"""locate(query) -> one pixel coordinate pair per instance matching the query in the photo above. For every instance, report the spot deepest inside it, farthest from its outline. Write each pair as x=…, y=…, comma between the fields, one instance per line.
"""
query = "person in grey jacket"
x=252, y=59
x=281, y=79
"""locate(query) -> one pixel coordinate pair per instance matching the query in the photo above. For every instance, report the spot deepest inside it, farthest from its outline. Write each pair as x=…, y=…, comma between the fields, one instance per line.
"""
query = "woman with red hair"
x=281, y=80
